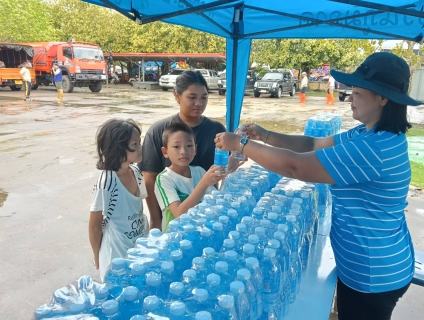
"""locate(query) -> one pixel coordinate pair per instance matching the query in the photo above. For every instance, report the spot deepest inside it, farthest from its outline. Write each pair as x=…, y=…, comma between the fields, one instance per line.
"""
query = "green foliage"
x=417, y=130
x=417, y=178
x=26, y=21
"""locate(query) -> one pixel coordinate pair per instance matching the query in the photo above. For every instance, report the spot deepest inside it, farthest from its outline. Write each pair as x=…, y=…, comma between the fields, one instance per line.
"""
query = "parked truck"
x=12, y=56
x=82, y=64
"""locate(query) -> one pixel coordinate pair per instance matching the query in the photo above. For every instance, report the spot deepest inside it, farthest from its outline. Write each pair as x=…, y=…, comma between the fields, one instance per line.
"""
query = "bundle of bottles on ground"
x=237, y=255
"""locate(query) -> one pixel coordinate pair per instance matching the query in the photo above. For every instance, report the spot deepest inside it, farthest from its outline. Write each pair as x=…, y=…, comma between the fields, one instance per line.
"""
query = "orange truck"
x=82, y=64
x=12, y=55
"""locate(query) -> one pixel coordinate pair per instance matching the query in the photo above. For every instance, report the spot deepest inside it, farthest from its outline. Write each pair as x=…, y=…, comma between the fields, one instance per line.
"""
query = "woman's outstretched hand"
x=255, y=132
x=227, y=141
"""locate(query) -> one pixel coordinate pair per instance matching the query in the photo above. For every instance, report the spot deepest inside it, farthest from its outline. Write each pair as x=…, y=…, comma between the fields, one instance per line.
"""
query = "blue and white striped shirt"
x=369, y=234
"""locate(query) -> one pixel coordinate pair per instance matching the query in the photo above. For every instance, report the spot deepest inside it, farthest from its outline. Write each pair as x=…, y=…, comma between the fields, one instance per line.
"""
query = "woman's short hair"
x=112, y=139
x=394, y=118
x=187, y=78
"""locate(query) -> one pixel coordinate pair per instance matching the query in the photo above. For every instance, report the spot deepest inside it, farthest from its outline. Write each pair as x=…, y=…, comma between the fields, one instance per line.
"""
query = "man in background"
x=57, y=77
x=26, y=79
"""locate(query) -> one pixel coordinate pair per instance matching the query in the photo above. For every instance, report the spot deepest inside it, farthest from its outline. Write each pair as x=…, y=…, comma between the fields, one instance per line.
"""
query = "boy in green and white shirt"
x=181, y=186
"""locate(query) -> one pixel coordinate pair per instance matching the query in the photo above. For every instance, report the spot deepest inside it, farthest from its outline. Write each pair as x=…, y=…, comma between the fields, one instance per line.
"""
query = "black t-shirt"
x=153, y=159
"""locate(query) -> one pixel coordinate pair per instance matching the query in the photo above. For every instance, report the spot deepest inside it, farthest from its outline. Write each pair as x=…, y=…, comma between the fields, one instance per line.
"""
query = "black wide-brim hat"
x=384, y=73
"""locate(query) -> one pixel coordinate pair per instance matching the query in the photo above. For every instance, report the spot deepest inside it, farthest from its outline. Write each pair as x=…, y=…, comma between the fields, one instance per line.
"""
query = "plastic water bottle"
x=203, y=315
x=235, y=236
x=175, y=293
x=241, y=228
x=190, y=281
x=221, y=268
x=167, y=277
x=198, y=265
x=110, y=310
x=233, y=218
x=221, y=160
x=206, y=239
x=117, y=275
x=152, y=306
x=218, y=235
x=244, y=276
x=238, y=155
x=253, y=239
x=187, y=248
x=241, y=301
x=252, y=264
x=131, y=305
x=249, y=250
x=228, y=245
x=101, y=293
x=225, y=309
x=213, y=281
x=271, y=285
x=177, y=257
x=248, y=221
x=225, y=220
x=153, y=284
x=231, y=257
x=210, y=256
x=199, y=301
x=177, y=311
x=137, y=276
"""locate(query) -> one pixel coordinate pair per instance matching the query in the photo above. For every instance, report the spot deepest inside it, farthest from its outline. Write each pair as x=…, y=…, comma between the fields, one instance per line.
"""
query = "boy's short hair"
x=176, y=127
x=112, y=139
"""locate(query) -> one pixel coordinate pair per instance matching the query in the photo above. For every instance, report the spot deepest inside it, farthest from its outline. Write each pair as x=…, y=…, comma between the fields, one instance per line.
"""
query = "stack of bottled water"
x=323, y=125
x=239, y=254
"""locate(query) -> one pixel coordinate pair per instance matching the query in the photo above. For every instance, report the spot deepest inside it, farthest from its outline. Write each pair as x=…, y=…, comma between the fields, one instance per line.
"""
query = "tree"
x=25, y=21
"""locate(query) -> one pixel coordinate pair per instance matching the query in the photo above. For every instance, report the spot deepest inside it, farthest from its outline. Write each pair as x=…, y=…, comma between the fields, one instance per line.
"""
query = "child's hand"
x=233, y=164
x=96, y=262
x=213, y=176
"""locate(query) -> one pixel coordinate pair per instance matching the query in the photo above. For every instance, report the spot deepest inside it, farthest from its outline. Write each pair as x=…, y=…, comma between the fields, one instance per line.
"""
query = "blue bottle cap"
x=185, y=245
x=249, y=248
x=167, y=267
x=190, y=274
x=131, y=293
x=247, y=221
x=189, y=228
x=137, y=269
x=226, y=301
x=252, y=263
x=235, y=235
x=155, y=233
x=223, y=219
x=283, y=227
x=236, y=287
x=201, y=295
x=276, y=209
x=258, y=211
x=153, y=279
x=274, y=244
x=216, y=193
x=174, y=224
x=280, y=236
x=208, y=252
x=291, y=218
x=203, y=315
x=254, y=183
x=241, y=227
x=260, y=231
x=177, y=308
x=265, y=223
x=217, y=226
x=253, y=239
x=195, y=211
x=184, y=218
x=272, y=216
x=221, y=267
x=221, y=202
x=118, y=264
x=298, y=201
x=209, y=215
x=235, y=205
x=228, y=243
x=201, y=222
x=268, y=252
x=138, y=317
x=213, y=279
x=134, y=252
x=205, y=232
x=230, y=255
x=151, y=303
x=101, y=291
x=228, y=196
x=110, y=307
x=176, y=255
x=198, y=262
x=231, y=213
x=176, y=288
x=243, y=274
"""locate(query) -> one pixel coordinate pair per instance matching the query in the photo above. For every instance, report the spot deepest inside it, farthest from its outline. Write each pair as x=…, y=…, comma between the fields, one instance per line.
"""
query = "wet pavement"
x=47, y=165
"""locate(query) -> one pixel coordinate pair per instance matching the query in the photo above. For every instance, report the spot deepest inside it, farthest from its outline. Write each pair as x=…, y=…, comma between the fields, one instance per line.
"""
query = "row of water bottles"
x=237, y=255
x=323, y=125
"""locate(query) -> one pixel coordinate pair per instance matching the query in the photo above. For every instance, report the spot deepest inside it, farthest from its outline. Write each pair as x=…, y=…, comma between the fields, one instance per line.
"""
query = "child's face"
x=134, y=144
x=193, y=101
x=181, y=148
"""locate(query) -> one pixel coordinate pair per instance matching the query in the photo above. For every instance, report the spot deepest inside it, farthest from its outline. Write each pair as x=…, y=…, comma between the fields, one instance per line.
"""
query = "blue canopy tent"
x=241, y=21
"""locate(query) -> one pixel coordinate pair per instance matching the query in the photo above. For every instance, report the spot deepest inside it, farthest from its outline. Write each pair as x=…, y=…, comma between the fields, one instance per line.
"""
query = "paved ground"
x=47, y=166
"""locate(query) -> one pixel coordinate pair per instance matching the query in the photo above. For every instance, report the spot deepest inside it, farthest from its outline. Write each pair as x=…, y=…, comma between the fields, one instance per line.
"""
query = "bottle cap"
x=237, y=287
x=258, y=211
x=110, y=307
x=228, y=196
x=198, y=262
x=235, y=235
x=272, y=217
x=221, y=202
x=101, y=291
x=228, y=243
x=174, y=224
x=150, y=303
x=208, y=252
x=189, y=228
x=184, y=218
x=290, y=218
x=283, y=227
x=185, y=245
x=177, y=308
x=265, y=223
x=260, y=231
x=155, y=233
x=268, y=252
x=138, y=317
x=274, y=244
x=118, y=264
x=221, y=267
x=201, y=222
x=226, y=301
x=247, y=221
x=201, y=295
x=254, y=184
x=176, y=255
x=235, y=205
x=203, y=315
x=253, y=239
x=167, y=267
x=230, y=255
x=276, y=209
x=176, y=288
x=252, y=263
x=137, y=269
x=213, y=279
x=153, y=279
x=231, y=213
x=243, y=274
x=248, y=248
x=131, y=293
x=223, y=219
x=205, y=232
x=241, y=227
x=217, y=226
x=190, y=275
x=280, y=236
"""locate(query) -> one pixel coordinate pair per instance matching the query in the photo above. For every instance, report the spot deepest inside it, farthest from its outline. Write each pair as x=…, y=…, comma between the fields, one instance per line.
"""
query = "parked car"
x=252, y=77
x=344, y=91
x=168, y=81
x=276, y=84
x=211, y=77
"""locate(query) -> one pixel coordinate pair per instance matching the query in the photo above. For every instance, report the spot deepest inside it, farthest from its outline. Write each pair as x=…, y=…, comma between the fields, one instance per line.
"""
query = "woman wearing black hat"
x=368, y=171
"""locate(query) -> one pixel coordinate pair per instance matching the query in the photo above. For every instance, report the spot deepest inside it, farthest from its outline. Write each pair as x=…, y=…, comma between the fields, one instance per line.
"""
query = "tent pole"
x=234, y=66
x=142, y=65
